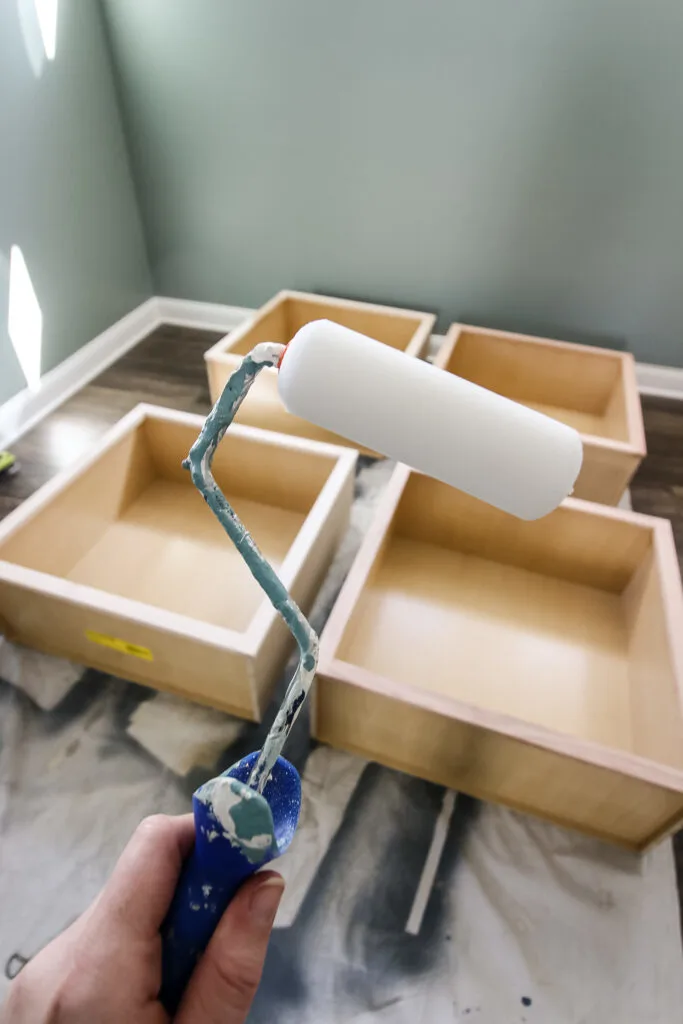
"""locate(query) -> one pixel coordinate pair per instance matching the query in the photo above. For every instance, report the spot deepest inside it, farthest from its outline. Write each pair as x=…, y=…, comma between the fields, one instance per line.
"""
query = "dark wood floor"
x=658, y=485
x=167, y=368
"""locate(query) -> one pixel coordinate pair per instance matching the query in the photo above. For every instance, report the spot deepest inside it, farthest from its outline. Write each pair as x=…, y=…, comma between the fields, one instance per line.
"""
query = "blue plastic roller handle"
x=214, y=872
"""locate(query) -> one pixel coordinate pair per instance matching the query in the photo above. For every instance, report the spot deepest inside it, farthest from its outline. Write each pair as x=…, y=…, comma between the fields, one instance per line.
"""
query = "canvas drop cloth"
x=403, y=904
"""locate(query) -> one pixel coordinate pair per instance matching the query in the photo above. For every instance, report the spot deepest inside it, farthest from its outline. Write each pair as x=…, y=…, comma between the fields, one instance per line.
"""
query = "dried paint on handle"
x=199, y=463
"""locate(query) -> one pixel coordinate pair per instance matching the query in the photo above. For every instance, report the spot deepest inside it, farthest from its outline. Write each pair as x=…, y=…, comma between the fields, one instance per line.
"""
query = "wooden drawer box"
x=278, y=321
x=119, y=565
x=592, y=389
x=536, y=664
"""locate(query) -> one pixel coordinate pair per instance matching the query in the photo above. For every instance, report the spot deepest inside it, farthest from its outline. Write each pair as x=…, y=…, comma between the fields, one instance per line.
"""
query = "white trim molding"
x=659, y=381
x=25, y=409
x=209, y=316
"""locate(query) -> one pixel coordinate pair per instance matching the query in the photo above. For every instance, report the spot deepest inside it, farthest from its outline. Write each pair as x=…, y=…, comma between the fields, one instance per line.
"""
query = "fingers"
x=139, y=891
x=225, y=980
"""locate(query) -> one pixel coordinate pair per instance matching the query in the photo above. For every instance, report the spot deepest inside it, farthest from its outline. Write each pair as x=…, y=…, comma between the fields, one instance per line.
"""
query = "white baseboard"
x=24, y=410
x=209, y=316
x=659, y=381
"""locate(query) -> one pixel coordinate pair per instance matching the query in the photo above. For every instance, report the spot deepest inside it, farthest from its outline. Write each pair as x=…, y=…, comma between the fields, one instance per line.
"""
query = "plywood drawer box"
x=536, y=664
x=278, y=321
x=591, y=389
x=119, y=565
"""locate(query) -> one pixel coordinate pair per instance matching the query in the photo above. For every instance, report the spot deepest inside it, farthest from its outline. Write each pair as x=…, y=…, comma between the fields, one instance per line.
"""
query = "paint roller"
x=449, y=428
x=479, y=442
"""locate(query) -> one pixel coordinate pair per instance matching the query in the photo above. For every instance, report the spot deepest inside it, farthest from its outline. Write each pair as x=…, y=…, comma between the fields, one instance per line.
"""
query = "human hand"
x=106, y=968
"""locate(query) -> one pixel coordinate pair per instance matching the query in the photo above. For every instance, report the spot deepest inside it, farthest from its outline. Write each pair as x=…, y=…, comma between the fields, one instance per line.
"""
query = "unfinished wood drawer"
x=536, y=664
x=594, y=390
x=119, y=565
x=278, y=321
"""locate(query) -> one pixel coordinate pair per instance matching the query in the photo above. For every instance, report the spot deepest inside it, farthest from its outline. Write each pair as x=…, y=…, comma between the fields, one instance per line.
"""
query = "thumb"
x=224, y=982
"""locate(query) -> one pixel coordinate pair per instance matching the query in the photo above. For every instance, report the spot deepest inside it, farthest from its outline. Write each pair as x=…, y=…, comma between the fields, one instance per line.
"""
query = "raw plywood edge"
x=263, y=436
x=590, y=752
x=492, y=762
x=220, y=352
x=569, y=346
x=672, y=592
x=361, y=567
x=46, y=494
x=609, y=461
x=302, y=444
x=32, y=506
x=420, y=341
x=412, y=314
x=165, y=415
x=580, y=750
x=215, y=375
x=625, y=515
x=90, y=634
x=328, y=521
x=634, y=410
x=130, y=675
x=124, y=608
x=478, y=793
x=652, y=609
x=608, y=444
x=567, y=544
x=224, y=347
x=336, y=491
x=611, y=399
x=666, y=830
x=129, y=608
x=443, y=356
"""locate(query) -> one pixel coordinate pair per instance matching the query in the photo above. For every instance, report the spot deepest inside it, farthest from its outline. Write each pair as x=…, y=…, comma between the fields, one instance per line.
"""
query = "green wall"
x=511, y=162
x=66, y=193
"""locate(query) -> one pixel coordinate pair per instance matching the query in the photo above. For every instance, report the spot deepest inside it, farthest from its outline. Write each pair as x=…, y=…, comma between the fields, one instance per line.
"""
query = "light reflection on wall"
x=25, y=318
x=38, y=22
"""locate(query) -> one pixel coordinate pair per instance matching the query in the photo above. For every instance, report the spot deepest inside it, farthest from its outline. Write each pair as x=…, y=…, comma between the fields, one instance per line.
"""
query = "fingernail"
x=266, y=899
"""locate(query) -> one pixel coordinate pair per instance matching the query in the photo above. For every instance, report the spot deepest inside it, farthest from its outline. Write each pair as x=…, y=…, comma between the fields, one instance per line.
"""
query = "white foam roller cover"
x=486, y=445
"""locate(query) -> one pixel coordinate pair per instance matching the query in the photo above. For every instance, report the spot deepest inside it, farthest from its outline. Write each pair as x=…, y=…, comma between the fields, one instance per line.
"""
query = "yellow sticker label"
x=120, y=645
